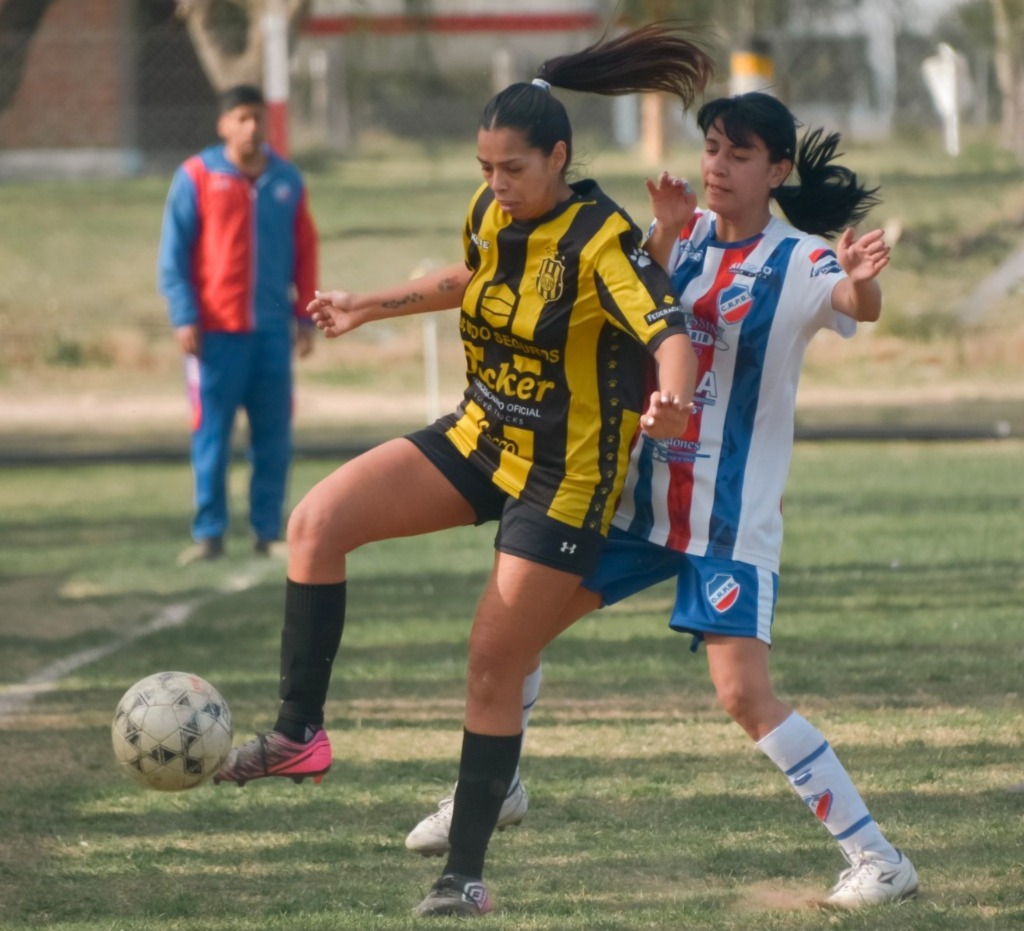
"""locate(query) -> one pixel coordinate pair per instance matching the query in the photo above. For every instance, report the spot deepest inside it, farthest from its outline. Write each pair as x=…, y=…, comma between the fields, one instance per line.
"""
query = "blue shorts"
x=713, y=596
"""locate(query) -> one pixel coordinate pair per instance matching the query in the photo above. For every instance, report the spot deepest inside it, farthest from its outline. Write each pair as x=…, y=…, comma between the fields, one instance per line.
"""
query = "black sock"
x=314, y=617
x=486, y=770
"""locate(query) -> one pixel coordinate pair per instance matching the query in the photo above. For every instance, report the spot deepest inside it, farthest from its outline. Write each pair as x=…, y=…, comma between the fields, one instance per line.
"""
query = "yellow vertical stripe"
x=466, y=431
x=515, y=466
x=539, y=248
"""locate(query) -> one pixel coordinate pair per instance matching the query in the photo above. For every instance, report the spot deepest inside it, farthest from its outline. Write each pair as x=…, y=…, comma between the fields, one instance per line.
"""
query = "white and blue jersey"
x=752, y=308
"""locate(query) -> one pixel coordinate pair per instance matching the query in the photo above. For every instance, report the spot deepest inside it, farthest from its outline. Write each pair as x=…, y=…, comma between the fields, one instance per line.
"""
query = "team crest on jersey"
x=734, y=303
x=551, y=279
x=723, y=591
x=824, y=262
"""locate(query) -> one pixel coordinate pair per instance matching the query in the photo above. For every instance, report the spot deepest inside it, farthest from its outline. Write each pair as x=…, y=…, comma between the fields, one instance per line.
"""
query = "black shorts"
x=524, y=530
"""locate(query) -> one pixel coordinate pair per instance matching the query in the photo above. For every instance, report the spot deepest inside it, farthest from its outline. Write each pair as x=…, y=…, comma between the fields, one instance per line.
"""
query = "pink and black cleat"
x=273, y=754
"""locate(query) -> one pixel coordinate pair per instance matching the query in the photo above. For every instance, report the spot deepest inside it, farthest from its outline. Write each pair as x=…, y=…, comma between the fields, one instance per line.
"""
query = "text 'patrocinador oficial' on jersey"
x=557, y=323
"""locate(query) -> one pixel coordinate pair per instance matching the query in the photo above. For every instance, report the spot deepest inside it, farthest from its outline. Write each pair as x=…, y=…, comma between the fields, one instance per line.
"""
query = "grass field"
x=898, y=633
x=81, y=316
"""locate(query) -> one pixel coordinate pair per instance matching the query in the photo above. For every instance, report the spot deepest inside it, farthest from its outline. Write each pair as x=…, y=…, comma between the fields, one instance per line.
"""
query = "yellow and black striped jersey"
x=558, y=321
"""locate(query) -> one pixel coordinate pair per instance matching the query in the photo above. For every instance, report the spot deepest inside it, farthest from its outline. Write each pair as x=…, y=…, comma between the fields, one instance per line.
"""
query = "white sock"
x=817, y=776
x=531, y=691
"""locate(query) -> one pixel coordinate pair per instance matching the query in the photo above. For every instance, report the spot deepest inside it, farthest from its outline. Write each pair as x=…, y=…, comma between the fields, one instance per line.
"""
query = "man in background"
x=238, y=266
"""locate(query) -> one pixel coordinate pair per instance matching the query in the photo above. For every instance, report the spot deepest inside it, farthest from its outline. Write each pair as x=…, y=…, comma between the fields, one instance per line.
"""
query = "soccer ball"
x=171, y=731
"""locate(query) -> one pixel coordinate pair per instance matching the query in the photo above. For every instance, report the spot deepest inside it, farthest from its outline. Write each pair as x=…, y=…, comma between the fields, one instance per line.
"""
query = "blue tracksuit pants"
x=252, y=371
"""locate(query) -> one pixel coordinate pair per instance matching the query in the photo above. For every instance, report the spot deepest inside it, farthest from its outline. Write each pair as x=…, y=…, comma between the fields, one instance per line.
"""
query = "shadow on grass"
x=595, y=824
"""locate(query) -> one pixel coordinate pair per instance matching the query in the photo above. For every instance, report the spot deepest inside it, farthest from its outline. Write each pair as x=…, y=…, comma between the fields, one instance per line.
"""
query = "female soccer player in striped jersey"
x=560, y=309
x=706, y=508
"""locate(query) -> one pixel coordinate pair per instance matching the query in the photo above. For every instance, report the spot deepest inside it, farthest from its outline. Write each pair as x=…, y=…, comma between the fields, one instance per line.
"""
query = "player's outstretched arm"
x=669, y=408
x=859, y=295
x=338, y=312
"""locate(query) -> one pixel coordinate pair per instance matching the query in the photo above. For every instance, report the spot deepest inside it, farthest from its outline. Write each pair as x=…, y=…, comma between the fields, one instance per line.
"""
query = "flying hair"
x=660, y=56
x=829, y=197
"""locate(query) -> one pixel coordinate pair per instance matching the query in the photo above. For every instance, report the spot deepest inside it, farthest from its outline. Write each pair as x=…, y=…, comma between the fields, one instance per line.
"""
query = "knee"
x=757, y=710
x=303, y=526
x=313, y=535
x=493, y=675
x=740, y=703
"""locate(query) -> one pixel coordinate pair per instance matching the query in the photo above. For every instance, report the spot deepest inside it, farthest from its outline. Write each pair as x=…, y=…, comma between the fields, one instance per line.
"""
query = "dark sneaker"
x=453, y=894
x=273, y=754
x=204, y=550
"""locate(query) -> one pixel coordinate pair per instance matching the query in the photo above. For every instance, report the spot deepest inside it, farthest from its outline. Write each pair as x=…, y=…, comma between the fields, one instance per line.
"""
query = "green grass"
x=82, y=320
x=82, y=255
x=898, y=633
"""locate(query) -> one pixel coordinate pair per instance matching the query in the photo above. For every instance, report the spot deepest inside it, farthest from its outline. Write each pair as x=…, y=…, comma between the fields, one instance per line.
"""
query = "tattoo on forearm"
x=446, y=284
x=411, y=298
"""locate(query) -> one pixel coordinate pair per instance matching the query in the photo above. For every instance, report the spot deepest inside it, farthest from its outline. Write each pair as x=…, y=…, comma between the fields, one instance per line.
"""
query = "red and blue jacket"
x=237, y=254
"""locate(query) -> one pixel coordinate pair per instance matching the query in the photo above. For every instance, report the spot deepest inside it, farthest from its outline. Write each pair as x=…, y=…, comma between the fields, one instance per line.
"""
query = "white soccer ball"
x=171, y=731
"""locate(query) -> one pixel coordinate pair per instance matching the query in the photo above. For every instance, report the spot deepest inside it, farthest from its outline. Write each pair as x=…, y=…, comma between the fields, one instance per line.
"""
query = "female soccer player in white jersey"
x=560, y=308
x=706, y=508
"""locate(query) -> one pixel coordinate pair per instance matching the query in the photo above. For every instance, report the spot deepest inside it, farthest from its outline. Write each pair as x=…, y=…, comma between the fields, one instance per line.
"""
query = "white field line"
x=14, y=698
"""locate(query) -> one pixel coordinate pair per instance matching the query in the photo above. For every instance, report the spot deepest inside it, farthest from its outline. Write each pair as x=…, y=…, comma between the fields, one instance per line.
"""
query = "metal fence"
x=117, y=86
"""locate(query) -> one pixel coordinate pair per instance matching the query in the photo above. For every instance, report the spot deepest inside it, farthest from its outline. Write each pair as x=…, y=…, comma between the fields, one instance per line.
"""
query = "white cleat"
x=874, y=881
x=430, y=837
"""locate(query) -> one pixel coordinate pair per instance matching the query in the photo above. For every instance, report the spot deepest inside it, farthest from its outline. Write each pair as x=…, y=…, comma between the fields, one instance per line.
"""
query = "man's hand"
x=304, y=340
x=189, y=339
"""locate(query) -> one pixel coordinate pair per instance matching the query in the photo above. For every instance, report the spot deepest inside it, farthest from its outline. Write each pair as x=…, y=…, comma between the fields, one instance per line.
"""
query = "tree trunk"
x=19, y=20
x=228, y=37
x=1009, y=33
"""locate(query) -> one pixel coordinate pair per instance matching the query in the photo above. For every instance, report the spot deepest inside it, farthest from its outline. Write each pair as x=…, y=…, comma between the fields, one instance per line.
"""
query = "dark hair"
x=655, y=57
x=828, y=197
x=238, y=96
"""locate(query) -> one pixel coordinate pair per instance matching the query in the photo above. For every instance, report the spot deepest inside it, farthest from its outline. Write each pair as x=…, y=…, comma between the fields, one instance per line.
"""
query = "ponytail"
x=828, y=198
x=656, y=57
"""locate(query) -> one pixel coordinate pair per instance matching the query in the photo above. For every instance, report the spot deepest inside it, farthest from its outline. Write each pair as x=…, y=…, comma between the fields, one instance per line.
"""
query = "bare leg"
x=391, y=491
x=523, y=608
x=739, y=672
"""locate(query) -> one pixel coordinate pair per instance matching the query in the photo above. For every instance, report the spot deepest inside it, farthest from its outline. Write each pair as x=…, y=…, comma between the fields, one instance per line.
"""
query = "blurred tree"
x=228, y=37
x=1008, y=29
x=19, y=20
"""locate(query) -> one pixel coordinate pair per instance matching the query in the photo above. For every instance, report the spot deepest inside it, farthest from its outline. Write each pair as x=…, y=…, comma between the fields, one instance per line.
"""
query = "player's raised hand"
x=673, y=201
x=862, y=259
x=666, y=416
x=334, y=312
